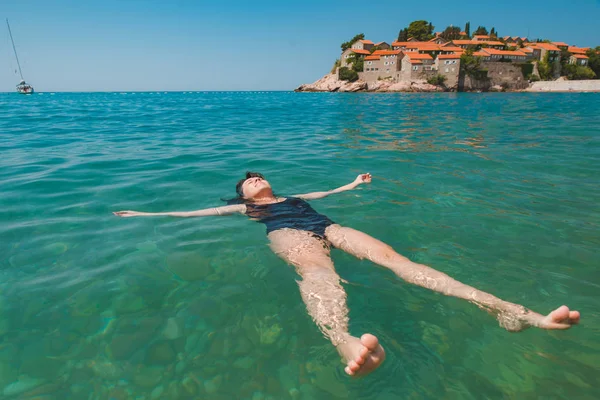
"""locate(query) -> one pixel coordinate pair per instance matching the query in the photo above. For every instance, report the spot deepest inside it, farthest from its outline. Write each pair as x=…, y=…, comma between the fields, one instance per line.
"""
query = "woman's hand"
x=363, y=178
x=126, y=214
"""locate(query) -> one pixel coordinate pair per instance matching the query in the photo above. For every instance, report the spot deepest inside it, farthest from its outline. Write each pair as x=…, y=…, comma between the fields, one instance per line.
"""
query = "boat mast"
x=15, y=49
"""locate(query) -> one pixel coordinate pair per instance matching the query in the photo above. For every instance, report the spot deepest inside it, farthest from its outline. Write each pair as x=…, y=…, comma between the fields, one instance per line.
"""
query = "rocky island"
x=454, y=60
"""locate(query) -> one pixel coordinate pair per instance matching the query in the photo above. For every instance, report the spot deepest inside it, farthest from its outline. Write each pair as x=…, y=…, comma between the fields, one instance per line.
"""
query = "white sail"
x=23, y=87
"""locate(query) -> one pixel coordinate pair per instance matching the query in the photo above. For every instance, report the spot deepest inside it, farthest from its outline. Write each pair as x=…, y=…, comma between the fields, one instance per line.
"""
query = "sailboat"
x=23, y=87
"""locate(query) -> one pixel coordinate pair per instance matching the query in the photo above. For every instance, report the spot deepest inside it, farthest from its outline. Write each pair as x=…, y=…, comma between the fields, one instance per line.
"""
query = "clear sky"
x=82, y=45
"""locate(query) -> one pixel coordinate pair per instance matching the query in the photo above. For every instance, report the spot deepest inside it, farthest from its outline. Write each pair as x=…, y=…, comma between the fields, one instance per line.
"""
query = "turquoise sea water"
x=498, y=190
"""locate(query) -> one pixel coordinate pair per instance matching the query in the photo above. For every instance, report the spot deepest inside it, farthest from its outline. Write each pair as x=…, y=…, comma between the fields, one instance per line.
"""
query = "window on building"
x=369, y=62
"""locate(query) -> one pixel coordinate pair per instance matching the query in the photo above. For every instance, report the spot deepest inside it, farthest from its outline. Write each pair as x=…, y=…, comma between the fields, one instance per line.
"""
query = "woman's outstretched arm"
x=208, y=212
x=362, y=178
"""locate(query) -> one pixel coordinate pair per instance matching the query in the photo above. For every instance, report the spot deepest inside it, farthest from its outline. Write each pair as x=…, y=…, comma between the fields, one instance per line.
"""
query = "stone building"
x=579, y=59
x=382, y=64
x=500, y=55
x=352, y=53
x=414, y=66
x=448, y=65
x=551, y=50
x=363, y=45
x=383, y=45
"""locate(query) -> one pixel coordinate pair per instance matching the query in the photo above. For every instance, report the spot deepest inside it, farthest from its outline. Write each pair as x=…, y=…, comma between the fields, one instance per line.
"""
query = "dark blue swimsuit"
x=291, y=213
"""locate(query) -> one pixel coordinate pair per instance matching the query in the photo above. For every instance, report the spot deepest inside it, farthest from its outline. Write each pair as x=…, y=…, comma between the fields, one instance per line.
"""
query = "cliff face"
x=330, y=83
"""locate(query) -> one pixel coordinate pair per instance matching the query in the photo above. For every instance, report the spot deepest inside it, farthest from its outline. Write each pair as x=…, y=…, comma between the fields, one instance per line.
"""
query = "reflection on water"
x=499, y=191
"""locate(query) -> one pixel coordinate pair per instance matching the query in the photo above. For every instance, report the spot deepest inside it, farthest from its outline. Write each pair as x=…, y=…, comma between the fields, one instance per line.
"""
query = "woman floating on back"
x=304, y=238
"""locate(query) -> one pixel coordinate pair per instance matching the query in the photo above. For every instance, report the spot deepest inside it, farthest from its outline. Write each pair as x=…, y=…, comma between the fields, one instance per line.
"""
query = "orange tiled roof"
x=526, y=50
x=481, y=36
x=359, y=51
x=581, y=56
x=463, y=33
x=452, y=48
x=415, y=61
x=503, y=52
x=546, y=46
x=386, y=52
x=560, y=44
x=416, y=56
x=480, y=54
x=372, y=57
x=399, y=44
x=578, y=50
x=492, y=43
x=365, y=41
x=380, y=43
x=462, y=41
x=448, y=56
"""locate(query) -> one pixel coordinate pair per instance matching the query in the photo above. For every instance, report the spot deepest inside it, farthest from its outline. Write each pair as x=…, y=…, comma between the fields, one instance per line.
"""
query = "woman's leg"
x=325, y=297
x=513, y=317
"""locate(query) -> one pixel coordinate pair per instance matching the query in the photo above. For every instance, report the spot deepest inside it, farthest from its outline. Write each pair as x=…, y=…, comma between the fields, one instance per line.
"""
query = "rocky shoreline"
x=330, y=83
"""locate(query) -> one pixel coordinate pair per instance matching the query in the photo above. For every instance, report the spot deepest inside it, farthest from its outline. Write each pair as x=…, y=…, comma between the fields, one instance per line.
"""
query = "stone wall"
x=507, y=75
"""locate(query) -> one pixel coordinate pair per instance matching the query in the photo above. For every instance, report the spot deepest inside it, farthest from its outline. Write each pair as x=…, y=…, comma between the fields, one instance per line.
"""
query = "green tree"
x=471, y=65
x=346, y=45
x=577, y=72
x=481, y=30
x=545, y=69
x=493, y=33
x=346, y=74
x=357, y=62
x=403, y=35
x=594, y=60
x=468, y=29
x=437, y=80
x=451, y=33
x=420, y=30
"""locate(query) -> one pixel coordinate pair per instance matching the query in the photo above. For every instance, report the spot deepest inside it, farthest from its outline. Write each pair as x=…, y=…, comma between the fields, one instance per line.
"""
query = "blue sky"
x=67, y=45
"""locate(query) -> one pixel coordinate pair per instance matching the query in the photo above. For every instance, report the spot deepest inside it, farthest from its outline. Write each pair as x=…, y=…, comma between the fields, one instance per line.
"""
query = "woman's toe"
x=369, y=341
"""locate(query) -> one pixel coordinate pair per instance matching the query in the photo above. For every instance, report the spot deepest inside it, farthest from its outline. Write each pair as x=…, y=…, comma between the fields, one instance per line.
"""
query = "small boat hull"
x=25, y=89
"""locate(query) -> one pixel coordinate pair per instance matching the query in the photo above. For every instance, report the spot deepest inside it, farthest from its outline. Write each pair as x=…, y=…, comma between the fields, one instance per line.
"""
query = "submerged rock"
x=189, y=386
x=173, y=329
x=160, y=353
x=123, y=346
x=148, y=377
x=189, y=266
x=22, y=385
x=212, y=385
x=106, y=370
x=157, y=392
x=244, y=363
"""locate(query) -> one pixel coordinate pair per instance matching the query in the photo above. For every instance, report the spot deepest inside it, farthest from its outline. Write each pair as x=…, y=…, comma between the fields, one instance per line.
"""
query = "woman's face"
x=254, y=186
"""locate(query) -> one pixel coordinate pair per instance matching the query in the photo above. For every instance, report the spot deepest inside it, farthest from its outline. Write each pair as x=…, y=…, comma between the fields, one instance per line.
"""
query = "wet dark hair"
x=238, y=187
x=239, y=199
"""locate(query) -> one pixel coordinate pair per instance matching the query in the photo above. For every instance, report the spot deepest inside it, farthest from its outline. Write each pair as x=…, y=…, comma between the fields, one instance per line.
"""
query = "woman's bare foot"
x=362, y=355
x=561, y=318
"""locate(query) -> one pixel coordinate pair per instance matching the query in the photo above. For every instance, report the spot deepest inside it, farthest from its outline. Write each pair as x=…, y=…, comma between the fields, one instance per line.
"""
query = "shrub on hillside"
x=336, y=65
x=578, y=72
x=346, y=74
x=437, y=80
